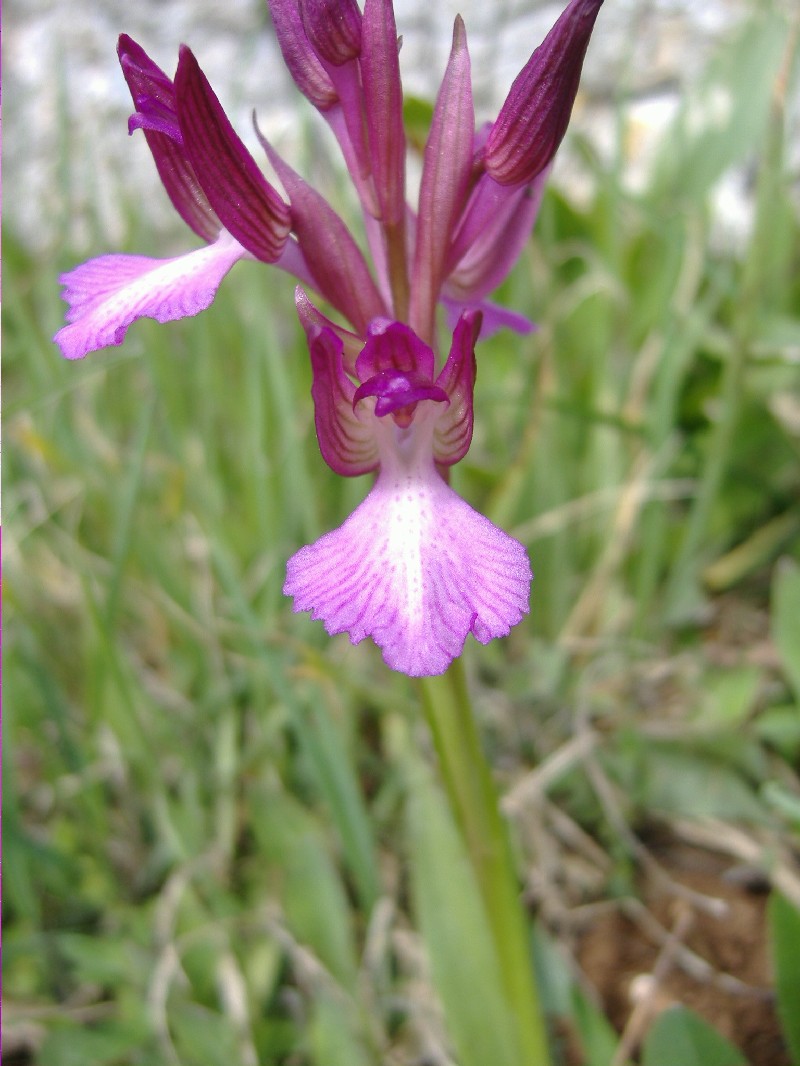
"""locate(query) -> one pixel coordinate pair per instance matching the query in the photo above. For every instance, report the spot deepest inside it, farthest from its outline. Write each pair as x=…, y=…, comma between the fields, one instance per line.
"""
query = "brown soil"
x=620, y=954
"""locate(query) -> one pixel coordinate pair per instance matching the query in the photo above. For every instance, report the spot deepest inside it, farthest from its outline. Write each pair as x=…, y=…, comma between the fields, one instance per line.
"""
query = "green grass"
x=207, y=852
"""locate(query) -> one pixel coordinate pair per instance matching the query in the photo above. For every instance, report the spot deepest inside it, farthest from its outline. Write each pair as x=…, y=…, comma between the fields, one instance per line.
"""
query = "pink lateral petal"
x=452, y=434
x=346, y=439
x=417, y=569
x=107, y=294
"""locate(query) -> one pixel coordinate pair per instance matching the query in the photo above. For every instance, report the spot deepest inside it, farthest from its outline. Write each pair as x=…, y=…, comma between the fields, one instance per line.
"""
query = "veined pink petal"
x=415, y=568
x=452, y=435
x=109, y=293
x=346, y=440
x=446, y=170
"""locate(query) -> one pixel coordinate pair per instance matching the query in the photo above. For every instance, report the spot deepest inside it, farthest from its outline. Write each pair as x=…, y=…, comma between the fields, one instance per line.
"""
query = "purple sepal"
x=398, y=392
x=301, y=60
x=415, y=568
x=107, y=294
x=394, y=346
x=446, y=169
x=347, y=444
x=156, y=115
x=535, y=115
x=383, y=108
x=340, y=271
x=452, y=434
x=333, y=28
x=245, y=202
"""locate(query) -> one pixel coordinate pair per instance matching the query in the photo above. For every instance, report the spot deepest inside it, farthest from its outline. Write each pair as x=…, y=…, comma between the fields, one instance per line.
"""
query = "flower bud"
x=535, y=115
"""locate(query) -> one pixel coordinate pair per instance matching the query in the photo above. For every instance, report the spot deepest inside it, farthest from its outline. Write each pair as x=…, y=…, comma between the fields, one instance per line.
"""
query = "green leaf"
x=784, y=927
x=786, y=620
x=679, y=1037
x=454, y=927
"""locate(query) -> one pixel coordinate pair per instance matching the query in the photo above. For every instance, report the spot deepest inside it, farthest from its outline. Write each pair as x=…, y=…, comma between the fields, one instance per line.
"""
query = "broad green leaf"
x=455, y=930
x=786, y=620
x=784, y=927
x=679, y=1037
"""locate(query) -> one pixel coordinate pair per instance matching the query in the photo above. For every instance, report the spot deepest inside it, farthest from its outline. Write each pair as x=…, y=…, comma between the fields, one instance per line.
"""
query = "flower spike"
x=414, y=566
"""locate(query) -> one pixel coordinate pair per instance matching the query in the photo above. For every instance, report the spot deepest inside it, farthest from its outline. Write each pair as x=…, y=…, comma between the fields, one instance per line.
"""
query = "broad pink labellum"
x=414, y=567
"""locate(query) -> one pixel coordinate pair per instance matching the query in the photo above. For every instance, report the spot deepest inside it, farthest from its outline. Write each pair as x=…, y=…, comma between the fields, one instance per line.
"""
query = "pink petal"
x=417, y=569
x=107, y=294
x=452, y=434
x=346, y=442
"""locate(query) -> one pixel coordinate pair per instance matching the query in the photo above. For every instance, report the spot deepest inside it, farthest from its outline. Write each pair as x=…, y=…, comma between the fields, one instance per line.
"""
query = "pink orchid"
x=414, y=566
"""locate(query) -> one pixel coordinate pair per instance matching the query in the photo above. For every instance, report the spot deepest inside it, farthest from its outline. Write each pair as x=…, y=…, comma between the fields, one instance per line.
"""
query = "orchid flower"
x=414, y=566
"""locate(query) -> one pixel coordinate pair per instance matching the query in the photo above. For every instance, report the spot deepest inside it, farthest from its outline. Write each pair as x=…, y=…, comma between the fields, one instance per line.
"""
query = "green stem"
x=473, y=797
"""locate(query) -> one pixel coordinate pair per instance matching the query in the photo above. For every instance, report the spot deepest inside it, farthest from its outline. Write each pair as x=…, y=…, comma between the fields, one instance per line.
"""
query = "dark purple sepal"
x=156, y=115
x=245, y=202
x=383, y=107
x=453, y=433
x=340, y=271
x=398, y=390
x=394, y=346
x=446, y=169
x=347, y=444
x=333, y=28
x=299, y=56
x=535, y=115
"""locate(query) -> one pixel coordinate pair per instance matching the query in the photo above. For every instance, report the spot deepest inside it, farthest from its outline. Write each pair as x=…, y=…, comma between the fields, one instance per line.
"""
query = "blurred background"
x=223, y=840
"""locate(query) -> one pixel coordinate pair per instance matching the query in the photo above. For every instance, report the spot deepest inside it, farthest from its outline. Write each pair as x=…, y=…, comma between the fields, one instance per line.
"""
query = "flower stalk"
x=473, y=799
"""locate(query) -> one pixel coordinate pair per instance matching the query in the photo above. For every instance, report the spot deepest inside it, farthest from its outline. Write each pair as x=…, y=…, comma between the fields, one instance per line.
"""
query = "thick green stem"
x=473, y=797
